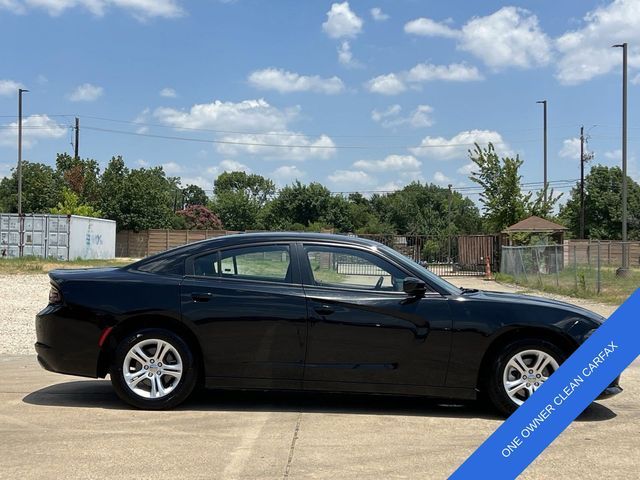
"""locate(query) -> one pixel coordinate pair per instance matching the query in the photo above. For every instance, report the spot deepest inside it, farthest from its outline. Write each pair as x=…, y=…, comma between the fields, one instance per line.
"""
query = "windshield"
x=433, y=278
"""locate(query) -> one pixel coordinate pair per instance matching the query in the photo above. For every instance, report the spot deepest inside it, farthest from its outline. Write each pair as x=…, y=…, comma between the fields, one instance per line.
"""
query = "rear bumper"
x=612, y=390
x=66, y=344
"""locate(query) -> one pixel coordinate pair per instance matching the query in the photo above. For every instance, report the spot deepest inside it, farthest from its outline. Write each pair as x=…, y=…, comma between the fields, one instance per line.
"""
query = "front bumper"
x=612, y=390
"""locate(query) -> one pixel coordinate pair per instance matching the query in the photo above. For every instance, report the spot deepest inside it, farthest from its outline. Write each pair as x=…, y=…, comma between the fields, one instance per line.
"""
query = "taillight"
x=54, y=296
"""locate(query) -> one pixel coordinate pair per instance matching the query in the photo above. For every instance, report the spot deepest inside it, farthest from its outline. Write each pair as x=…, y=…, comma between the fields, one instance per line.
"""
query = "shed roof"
x=535, y=224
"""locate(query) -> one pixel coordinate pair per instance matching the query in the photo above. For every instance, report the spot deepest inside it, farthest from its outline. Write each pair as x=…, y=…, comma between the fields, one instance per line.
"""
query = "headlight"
x=54, y=296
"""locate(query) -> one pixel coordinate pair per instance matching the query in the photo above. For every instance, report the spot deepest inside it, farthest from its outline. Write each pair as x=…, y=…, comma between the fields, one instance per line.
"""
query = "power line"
x=274, y=145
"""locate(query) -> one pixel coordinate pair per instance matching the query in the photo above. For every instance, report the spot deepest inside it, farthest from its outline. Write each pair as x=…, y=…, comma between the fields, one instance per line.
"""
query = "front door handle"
x=324, y=310
x=201, y=296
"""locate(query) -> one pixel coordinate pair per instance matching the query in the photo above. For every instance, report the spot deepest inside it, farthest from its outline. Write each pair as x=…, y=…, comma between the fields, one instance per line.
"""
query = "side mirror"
x=414, y=286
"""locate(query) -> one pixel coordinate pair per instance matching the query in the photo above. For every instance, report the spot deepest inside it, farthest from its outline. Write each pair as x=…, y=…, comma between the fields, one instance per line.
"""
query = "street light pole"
x=625, y=253
x=20, y=92
x=544, y=104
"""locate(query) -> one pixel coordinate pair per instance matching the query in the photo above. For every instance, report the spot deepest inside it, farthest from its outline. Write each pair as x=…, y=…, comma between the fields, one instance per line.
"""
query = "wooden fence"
x=586, y=252
x=148, y=242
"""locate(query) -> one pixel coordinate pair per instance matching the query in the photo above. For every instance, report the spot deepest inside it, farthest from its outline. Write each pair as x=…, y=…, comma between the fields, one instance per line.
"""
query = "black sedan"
x=293, y=311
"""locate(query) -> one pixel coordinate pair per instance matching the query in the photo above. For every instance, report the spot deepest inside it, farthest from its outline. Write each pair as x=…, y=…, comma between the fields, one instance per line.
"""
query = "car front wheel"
x=153, y=369
x=519, y=370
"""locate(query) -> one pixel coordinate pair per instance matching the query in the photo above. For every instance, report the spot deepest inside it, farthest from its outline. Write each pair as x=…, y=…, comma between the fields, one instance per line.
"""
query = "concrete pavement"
x=53, y=426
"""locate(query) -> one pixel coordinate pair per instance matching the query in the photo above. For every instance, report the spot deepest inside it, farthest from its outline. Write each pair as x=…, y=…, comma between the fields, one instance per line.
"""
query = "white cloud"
x=391, y=118
x=395, y=83
x=636, y=80
x=378, y=15
x=286, y=82
x=586, y=52
x=171, y=168
x=86, y=93
x=570, y=148
x=287, y=174
x=284, y=145
x=430, y=28
x=247, y=115
x=233, y=166
x=389, y=84
x=468, y=168
x=441, y=178
x=441, y=148
x=205, y=183
x=510, y=37
x=455, y=72
x=168, y=93
x=612, y=154
x=140, y=9
x=345, y=55
x=394, y=163
x=392, y=111
x=350, y=177
x=34, y=128
x=274, y=140
x=141, y=162
x=9, y=87
x=342, y=22
x=214, y=171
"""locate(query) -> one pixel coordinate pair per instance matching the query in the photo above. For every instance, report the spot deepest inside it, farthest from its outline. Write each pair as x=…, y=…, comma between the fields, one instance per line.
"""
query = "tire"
x=153, y=369
x=508, y=371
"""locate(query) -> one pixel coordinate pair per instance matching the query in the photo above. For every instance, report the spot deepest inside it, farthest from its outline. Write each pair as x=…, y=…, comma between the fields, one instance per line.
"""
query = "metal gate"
x=455, y=255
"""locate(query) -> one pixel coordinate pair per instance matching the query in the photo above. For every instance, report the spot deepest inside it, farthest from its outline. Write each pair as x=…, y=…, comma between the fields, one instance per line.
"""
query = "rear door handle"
x=201, y=296
x=324, y=310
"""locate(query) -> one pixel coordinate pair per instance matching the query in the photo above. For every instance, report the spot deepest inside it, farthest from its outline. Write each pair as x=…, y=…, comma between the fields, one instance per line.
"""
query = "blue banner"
x=571, y=389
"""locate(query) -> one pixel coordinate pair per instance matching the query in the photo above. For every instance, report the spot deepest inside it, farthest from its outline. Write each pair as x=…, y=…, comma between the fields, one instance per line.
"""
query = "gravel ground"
x=24, y=295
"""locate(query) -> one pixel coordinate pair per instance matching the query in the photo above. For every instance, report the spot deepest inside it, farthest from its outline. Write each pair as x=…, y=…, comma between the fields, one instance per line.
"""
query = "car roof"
x=289, y=236
x=224, y=241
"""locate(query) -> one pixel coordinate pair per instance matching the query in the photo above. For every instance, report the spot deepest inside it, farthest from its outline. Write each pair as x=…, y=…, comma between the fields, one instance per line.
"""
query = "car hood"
x=537, y=301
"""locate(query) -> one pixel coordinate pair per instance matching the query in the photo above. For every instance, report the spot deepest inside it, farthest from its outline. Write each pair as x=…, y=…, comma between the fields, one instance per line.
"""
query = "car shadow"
x=100, y=394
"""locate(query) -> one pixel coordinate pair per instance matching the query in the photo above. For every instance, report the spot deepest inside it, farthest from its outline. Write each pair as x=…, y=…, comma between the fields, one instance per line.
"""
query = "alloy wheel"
x=525, y=372
x=152, y=368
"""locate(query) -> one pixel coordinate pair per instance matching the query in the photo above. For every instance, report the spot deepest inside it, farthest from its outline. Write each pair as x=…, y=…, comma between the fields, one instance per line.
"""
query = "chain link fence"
x=582, y=268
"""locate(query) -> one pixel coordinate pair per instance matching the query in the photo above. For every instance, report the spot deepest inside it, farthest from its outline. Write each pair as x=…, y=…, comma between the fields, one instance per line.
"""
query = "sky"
x=360, y=95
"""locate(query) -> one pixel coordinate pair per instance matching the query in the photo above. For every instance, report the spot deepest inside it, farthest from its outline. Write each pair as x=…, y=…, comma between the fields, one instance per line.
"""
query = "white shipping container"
x=57, y=236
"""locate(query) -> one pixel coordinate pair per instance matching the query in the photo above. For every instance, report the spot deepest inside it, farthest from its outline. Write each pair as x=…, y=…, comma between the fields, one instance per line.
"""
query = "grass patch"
x=581, y=282
x=16, y=266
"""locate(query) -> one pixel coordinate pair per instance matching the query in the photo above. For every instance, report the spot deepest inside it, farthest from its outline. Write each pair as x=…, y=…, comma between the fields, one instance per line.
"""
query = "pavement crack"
x=292, y=447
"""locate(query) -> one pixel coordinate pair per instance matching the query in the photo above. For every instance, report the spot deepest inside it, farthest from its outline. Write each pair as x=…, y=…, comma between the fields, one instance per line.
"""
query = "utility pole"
x=20, y=92
x=624, y=270
x=449, y=221
x=544, y=104
x=77, y=140
x=582, y=182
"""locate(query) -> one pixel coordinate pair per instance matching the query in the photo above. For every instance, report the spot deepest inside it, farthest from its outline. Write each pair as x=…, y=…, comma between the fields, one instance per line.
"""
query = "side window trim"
x=308, y=279
x=296, y=275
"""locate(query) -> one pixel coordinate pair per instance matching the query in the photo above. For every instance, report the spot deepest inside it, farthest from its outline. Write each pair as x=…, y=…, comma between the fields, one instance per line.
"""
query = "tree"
x=603, y=205
x=298, y=204
x=137, y=199
x=41, y=189
x=71, y=205
x=194, y=195
x=239, y=199
x=427, y=209
x=198, y=217
x=503, y=201
x=255, y=187
x=82, y=177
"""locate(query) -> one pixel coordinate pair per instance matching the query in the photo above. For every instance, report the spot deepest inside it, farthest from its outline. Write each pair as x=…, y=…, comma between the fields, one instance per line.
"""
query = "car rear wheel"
x=519, y=370
x=153, y=369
